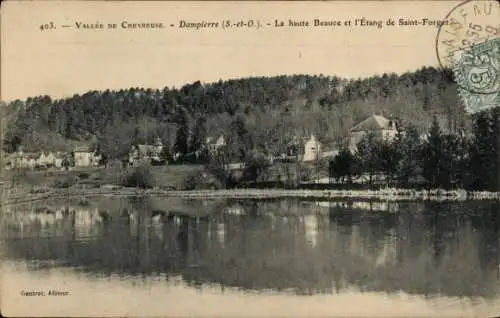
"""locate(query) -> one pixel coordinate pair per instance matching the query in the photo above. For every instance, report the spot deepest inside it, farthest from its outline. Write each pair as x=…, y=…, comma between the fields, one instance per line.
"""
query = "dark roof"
x=374, y=122
x=146, y=150
x=82, y=149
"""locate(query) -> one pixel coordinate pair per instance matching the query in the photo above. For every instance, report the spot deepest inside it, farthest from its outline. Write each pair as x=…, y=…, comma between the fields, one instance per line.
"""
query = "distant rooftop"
x=374, y=122
x=82, y=148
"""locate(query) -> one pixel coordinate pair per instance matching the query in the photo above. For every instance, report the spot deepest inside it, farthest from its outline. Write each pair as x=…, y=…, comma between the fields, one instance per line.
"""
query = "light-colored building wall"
x=382, y=127
x=214, y=146
x=82, y=159
x=389, y=134
x=86, y=159
x=145, y=153
x=58, y=162
x=312, y=149
x=25, y=160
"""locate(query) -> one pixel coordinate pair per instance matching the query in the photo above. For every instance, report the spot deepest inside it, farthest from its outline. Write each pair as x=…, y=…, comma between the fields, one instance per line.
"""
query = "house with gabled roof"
x=214, y=144
x=302, y=149
x=383, y=127
x=146, y=153
x=312, y=149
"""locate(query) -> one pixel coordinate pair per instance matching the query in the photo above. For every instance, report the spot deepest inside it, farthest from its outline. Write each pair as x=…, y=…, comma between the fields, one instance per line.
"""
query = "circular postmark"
x=469, y=44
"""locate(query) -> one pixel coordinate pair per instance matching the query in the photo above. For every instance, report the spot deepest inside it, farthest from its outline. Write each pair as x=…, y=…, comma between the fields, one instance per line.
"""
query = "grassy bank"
x=171, y=176
x=169, y=181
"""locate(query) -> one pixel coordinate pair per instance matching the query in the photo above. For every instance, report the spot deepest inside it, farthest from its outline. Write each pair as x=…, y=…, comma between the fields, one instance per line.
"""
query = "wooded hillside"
x=261, y=113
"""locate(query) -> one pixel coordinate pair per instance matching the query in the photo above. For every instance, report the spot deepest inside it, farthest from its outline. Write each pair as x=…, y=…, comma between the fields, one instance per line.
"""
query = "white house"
x=31, y=160
x=22, y=159
x=46, y=159
x=312, y=149
x=214, y=145
x=382, y=126
x=59, y=158
x=84, y=157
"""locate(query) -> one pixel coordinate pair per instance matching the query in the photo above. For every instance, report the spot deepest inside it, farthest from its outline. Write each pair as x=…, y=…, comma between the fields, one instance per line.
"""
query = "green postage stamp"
x=468, y=44
x=477, y=73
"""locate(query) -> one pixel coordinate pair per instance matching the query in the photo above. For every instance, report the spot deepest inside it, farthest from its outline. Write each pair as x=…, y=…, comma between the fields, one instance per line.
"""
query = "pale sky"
x=67, y=61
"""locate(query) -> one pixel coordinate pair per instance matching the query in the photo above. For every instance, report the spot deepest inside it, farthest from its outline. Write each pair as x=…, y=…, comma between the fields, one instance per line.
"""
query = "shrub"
x=256, y=168
x=305, y=173
x=222, y=177
x=83, y=176
x=191, y=182
x=201, y=180
x=65, y=182
x=140, y=177
x=97, y=176
x=84, y=202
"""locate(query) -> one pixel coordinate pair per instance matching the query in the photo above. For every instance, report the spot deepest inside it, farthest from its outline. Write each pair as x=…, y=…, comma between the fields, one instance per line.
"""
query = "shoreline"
x=255, y=194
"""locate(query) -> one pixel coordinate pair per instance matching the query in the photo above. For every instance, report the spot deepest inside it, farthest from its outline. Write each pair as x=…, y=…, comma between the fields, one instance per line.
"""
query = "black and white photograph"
x=250, y=159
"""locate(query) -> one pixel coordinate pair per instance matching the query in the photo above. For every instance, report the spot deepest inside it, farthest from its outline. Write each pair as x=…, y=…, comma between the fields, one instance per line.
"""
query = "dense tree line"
x=255, y=114
x=436, y=159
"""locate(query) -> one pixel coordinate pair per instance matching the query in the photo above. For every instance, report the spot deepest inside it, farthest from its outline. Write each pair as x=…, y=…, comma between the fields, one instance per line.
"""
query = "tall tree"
x=435, y=170
x=452, y=158
x=367, y=154
x=407, y=144
x=182, y=137
x=483, y=152
x=342, y=166
x=388, y=157
x=240, y=139
x=269, y=106
x=116, y=142
x=256, y=167
x=199, y=134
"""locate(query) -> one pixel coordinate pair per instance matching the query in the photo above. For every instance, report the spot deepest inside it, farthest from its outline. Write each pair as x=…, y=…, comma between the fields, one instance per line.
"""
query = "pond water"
x=173, y=257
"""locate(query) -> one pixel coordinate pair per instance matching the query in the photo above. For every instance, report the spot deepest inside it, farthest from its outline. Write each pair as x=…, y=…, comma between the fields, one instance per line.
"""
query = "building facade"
x=383, y=127
x=35, y=160
x=84, y=157
x=215, y=144
x=146, y=153
x=312, y=150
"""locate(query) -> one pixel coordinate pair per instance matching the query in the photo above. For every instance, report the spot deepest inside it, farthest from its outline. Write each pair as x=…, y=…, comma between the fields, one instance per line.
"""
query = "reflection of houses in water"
x=311, y=228
x=388, y=255
x=367, y=247
x=157, y=225
x=46, y=217
x=372, y=206
x=52, y=219
x=234, y=210
x=273, y=221
x=133, y=222
x=370, y=237
x=85, y=219
x=221, y=233
x=308, y=253
x=216, y=230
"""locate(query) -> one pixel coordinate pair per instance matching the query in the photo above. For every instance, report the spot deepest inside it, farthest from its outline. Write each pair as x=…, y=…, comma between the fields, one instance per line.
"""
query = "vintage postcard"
x=250, y=159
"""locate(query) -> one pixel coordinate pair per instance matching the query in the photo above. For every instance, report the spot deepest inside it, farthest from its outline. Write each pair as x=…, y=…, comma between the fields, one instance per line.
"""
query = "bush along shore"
x=26, y=195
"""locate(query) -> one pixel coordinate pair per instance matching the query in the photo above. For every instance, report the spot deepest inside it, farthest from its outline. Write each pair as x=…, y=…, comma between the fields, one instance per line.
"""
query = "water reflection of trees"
x=424, y=248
